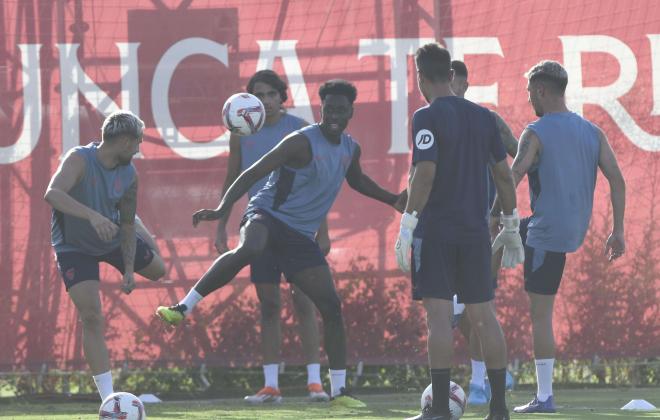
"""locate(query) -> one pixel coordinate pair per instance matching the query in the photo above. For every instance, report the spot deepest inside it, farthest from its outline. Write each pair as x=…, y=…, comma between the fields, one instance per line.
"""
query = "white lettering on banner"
x=269, y=50
x=32, y=108
x=605, y=96
x=74, y=80
x=398, y=50
x=655, y=66
x=460, y=47
x=160, y=87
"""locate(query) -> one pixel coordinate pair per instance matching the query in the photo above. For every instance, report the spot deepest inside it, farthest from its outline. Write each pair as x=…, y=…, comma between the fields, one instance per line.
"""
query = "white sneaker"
x=317, y=394
x=266, y=395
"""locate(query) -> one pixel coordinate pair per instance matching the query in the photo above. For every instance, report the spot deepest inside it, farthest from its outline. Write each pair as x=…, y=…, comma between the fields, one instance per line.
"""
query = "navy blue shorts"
x=543, y=269
x=287, y=251
x=440, y=270
x=265, y=269
x=77, y=266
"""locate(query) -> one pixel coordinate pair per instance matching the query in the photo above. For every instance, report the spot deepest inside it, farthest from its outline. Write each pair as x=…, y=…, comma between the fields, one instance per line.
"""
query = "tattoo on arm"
x=509, y=140
x=128, y=242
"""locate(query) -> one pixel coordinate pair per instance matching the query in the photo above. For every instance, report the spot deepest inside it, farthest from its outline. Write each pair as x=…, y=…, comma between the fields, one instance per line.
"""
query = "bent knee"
x=92, y=317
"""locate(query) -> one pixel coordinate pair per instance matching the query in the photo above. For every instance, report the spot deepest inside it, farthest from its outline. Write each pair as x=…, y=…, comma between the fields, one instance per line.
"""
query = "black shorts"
x=440, y=270
x=77, y=266
x=265, y=269
x=543, y=269
x=287, y=251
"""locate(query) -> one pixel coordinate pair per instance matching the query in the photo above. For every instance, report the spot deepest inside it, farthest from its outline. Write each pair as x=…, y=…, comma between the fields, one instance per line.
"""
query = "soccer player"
x=454, y=142
x=94, y=195
x=479, y=393
x=244, y=151
x=560, y=154
x=306, y=170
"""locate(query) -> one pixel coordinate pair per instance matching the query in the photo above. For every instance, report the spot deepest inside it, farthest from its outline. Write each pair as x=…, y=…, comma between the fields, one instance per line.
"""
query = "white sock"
x=478, y=373
x=270, y=375
x=337, y=381
x=191, y=299
x=103, y=383
x=313, y=373
x=544, y=378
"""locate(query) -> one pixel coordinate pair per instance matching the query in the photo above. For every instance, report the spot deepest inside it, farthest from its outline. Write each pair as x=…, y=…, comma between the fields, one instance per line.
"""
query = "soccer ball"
x=243, y=114
x=457, y=400
x=122, y=405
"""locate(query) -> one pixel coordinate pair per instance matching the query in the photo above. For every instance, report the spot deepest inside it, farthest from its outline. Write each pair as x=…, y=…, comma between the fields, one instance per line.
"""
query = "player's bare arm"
x=361, y=183
x=127, y=237
x=508, y=139
x=69, y=173
x=529, y=149
x=504, y=185
x=293, y=151
x=615, y=245
x=420, y=185
x=233, y=171
x=323, y=238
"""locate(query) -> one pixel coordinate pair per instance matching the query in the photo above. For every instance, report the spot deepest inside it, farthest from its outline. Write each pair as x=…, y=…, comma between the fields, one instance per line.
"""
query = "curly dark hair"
x=338, y=87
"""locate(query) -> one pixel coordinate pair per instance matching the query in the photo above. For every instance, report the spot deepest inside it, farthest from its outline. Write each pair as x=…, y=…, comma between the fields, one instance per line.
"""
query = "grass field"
x=573, y=404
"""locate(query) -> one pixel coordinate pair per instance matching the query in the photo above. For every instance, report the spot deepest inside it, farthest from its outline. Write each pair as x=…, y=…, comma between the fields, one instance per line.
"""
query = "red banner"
x=64, y=65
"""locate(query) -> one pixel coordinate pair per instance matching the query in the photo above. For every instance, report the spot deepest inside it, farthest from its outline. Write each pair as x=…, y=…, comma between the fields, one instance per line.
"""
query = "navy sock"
x=440, y=381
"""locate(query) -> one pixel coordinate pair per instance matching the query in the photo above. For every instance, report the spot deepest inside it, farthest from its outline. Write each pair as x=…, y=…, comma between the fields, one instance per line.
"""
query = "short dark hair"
x=270, y=78
x=433, y=62
x=459, y=68
x=551, y=74
x=338, y=87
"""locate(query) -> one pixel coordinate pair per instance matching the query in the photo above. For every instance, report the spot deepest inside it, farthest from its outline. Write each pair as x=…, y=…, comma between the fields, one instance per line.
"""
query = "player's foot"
x=478, y=395
x=266, y=395
x=317, y=394
x=428, y=414
x=536, y=406
x=344, y=399
x=502, y=415
x=172, y=315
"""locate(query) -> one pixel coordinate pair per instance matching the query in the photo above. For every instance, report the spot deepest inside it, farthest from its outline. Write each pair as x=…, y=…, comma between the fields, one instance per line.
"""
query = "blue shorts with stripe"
x=543, y=269
x=441, y=269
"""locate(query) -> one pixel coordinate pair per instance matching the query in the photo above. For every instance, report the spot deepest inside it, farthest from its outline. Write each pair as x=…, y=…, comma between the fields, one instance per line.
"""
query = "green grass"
x=573, y=404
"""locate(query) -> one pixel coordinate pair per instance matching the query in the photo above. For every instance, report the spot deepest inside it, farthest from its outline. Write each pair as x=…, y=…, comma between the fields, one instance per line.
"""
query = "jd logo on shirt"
x=424, y=139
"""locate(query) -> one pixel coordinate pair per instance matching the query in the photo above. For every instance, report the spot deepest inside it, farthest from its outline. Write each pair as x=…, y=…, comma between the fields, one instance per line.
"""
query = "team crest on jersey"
x=424, y=139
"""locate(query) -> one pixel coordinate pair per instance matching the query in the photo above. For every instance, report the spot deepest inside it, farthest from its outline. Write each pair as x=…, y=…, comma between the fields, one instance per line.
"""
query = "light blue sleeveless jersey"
x=301, y=198
x=562, y=184
x=99, y=189
x=253, y=147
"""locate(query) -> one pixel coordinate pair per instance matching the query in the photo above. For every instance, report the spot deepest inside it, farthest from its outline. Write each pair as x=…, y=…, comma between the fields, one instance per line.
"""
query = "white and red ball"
x=243, y=114
x=457, y=399
x=122, y=405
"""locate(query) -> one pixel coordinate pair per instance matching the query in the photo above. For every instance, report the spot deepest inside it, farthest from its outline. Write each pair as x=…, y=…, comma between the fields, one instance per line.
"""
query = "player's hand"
x=324, y=243
x=509, y=238
x=404, y=241
x=221, y=239
x=128, y=283
x=104, y=227
x=206, y=215
x=615, y=246
x=400, y=203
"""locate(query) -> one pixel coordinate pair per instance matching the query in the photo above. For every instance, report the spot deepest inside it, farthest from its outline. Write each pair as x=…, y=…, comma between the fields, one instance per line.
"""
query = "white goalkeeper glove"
x=404, y=241
x=509, y=238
